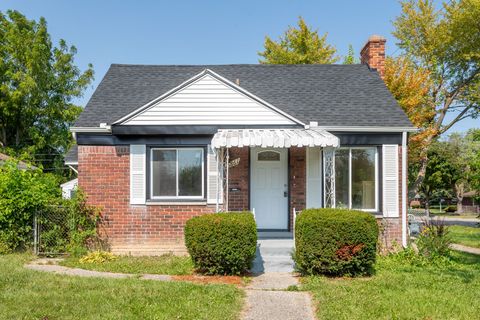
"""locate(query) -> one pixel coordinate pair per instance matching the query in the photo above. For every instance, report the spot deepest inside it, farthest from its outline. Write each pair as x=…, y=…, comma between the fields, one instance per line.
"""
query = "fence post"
x=35, y=233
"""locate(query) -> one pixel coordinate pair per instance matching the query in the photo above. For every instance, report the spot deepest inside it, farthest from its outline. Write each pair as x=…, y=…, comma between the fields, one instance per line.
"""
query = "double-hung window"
x=176, y=173
x=356, y=178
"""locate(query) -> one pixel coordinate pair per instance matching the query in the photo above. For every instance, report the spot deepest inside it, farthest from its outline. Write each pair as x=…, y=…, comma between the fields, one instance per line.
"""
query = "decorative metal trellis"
x=329, y=177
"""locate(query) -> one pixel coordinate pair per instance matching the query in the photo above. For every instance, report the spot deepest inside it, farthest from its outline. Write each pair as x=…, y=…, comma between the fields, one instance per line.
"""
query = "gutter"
x=371, y=129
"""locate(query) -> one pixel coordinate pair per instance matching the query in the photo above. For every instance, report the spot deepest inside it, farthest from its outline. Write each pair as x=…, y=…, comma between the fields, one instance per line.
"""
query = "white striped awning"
x=274, y=138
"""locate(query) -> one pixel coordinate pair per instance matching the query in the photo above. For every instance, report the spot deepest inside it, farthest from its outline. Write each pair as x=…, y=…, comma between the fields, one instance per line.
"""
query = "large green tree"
x=462, y=152
x=300, y=45
x=444, y=46
x=440, y=175
x=38, y=83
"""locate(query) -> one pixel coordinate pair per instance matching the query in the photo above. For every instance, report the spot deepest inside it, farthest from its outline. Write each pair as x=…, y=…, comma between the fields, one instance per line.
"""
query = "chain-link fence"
x=51, y=230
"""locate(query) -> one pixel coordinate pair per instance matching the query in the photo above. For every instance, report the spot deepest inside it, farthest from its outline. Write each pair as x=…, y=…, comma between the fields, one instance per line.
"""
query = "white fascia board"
x=370, y=129
x=197, y=77
x=106, y=129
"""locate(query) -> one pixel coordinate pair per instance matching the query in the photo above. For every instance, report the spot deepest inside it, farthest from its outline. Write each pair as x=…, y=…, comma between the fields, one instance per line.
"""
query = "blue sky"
x=202, y=32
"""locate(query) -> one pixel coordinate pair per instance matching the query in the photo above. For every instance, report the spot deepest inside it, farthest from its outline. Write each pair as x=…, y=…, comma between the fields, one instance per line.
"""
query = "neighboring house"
x=69, y=188
x=470, y=201
x=20, y=165
x=160, y=144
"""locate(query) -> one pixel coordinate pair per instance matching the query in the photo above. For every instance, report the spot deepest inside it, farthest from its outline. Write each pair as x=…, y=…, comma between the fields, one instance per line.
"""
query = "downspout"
x=404, y=188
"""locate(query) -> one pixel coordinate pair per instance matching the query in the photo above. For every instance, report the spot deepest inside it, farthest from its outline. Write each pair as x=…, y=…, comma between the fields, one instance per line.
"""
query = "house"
x=159, y=144
x=69, y=188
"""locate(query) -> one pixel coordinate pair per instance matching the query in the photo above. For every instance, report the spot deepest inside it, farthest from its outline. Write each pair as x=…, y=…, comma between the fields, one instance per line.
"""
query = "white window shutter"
x=314, y=178
x=137, y=173
x=214, y=177
x=390, y=180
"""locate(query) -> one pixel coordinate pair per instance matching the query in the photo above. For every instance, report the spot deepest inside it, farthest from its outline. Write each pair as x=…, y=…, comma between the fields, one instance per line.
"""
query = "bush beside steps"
x=335, y=242
x=222, y=243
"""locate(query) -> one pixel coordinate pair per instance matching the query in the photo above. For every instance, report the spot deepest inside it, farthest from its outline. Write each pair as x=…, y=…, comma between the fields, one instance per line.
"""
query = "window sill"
x=176, y=203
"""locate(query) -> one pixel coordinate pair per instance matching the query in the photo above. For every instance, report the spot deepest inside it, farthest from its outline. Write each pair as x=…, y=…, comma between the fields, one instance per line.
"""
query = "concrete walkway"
x=463, y=248
x=273, y=267
x=48, y=265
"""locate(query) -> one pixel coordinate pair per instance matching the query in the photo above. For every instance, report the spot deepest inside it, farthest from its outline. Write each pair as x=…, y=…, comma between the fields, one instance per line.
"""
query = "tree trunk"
x=459, y=190
x=3, y=141
x=421, y=173
x=427, y=206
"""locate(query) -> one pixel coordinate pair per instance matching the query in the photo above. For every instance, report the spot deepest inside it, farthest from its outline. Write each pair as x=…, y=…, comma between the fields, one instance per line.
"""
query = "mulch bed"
x=235, y=280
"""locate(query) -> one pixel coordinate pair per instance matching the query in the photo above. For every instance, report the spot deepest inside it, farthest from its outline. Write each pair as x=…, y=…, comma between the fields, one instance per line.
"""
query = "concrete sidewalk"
x=267, y=296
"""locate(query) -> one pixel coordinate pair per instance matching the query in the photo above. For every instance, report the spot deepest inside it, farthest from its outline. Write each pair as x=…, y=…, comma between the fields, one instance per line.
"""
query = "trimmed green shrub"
x=222, y=243
x=335, y=242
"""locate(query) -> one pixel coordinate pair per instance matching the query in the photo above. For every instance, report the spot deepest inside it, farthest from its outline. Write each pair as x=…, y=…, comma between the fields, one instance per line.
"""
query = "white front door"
x=269, y=187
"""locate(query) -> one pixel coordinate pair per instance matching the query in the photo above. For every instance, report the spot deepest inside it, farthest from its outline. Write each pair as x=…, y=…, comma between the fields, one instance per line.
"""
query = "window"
x=176, y=173
x=269, y=156
x=356, y=178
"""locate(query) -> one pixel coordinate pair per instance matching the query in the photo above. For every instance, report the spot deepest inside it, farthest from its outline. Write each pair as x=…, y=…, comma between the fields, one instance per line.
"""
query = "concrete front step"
x=274, y=255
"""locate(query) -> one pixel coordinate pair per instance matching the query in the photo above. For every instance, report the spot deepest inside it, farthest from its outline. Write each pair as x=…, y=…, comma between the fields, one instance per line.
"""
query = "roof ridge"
x=236, y=65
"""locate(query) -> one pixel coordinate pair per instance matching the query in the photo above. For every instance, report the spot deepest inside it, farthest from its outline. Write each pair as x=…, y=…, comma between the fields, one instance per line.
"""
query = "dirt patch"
x=235, y=280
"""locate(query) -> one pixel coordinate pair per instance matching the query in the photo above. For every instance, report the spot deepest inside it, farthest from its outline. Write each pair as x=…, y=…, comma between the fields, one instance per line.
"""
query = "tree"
x=38, y=82
x=350, y=58
x=445, y=46
x=299, y=45
x=410, y=86
x=462, y=152
x=439, y=175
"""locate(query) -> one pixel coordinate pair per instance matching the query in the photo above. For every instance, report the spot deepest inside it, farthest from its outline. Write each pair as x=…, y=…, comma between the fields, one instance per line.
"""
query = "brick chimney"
x=373, y=54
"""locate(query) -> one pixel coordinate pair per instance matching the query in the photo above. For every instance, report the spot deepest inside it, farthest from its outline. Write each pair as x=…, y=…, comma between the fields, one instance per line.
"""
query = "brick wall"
x=239, y=179
x=103, y=173
x=155, y=229
x=298, y=181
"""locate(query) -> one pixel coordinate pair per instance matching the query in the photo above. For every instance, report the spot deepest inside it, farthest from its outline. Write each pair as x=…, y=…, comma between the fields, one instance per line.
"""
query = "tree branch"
x=459, y=117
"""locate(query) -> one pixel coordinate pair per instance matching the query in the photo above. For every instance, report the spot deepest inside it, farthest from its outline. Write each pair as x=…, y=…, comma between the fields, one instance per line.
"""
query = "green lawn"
x=166, y=264
x=402, y=291
x=26, y=294
x=468, y=236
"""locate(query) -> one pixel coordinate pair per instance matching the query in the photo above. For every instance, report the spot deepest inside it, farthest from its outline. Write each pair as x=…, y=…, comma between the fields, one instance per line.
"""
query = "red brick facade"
x=238, y=200
x=104, y=174
x=154, y=228
x=298, y=180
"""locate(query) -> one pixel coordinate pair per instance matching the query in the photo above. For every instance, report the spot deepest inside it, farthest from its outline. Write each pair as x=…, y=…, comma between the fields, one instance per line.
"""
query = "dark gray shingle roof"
x=333, y=95
x=72, y=155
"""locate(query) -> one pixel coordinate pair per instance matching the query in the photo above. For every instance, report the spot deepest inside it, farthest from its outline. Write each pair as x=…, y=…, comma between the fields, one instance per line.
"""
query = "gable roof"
x=208, y=98
x=71, y=157
x=332, y=95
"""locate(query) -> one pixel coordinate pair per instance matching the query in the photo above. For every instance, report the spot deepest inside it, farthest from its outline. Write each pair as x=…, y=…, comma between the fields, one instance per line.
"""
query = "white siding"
x=137, y=174
x=314, y=178
x=390, y=181
x=214, y=178
x=208, y=101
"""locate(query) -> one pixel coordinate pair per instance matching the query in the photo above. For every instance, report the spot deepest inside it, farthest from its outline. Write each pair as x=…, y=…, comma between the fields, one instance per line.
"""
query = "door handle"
x=285, y=194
